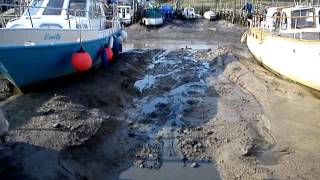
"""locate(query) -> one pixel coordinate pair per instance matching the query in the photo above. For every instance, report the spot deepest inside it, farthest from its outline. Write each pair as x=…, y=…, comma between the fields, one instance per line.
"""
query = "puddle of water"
x=145, y=83
x=151, y=106
x=169, y=46
x=173, y=170
x=183, y=89
x=162, y=63
x=162, y=60
x=204, y=69
x=190, y=58
x=167, y=74
x=166, y=112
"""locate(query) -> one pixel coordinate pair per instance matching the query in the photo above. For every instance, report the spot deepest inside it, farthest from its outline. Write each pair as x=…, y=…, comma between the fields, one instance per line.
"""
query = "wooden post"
x=133, y=16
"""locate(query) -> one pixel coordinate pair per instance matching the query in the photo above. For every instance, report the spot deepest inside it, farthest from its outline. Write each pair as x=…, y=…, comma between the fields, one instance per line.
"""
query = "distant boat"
x=189, y=13
x=152, y=17
x=287, y=42
x=167, y=11
x=210, y=15
x=125, y=14
x=43, y=43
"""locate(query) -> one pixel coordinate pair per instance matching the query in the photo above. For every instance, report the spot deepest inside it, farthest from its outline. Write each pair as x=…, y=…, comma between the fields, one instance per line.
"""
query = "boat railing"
x=280, y=26
x=78, y=15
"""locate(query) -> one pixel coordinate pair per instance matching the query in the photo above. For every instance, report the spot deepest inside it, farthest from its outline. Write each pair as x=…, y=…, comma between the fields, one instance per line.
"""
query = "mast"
x=133, y=10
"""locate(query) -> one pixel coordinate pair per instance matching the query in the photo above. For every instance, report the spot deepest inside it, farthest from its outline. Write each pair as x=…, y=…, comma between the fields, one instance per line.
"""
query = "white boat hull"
x=295, y=59
x=152, y=21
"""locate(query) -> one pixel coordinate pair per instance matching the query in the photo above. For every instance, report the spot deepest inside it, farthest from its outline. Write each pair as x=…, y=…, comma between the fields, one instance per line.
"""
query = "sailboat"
x=287, y=41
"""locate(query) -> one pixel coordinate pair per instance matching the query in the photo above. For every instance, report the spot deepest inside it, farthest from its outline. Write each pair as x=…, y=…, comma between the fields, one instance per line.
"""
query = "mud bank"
x=199, y=107
x=290, y=122
x=73, y=119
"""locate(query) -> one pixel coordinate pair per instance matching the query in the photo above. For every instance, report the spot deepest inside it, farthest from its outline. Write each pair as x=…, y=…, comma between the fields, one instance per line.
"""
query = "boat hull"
x=152, y=21
x=297, y=60
x=24, y=65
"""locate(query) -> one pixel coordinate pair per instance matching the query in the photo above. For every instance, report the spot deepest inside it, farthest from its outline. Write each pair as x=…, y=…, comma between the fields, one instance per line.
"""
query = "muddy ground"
x=184, y=101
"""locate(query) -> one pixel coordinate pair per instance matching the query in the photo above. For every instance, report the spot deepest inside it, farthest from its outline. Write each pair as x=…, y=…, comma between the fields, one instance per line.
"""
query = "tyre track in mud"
x=206, y=140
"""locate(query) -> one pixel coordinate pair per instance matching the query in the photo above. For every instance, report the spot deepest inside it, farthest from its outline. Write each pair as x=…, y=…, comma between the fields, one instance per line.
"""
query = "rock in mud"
x=57, y=125
x=4, y=89
x=209, y=133
x=48, y=112
x=131, y=134
x=4, y=85
x=195, y=165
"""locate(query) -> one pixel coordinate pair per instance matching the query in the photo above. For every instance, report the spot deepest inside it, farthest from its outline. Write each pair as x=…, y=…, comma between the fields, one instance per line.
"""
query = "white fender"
x=110, y=45
x=244, y=37
x=250, y=22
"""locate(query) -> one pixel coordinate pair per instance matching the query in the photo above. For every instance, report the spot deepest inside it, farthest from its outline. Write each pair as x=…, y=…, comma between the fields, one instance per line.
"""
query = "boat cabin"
x=272, y=18
x=125, y=14
x=300, y=19
x=61, y=14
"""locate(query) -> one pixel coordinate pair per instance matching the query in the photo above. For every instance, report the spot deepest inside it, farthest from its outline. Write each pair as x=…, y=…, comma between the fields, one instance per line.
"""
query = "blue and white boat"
x=40, y=44
x=167, y=11
x=152, y=17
